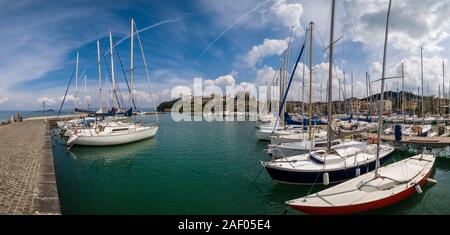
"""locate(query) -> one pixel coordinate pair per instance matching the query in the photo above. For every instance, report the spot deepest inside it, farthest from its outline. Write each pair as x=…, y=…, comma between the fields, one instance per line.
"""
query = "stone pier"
x=27, y=173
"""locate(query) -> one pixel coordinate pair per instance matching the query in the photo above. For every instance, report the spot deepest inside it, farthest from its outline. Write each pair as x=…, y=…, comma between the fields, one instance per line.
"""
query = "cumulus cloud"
x=227, y=80
x=289, y=13
x=70, y=99
x=265, y=75
x=48, y=101
x=414, y=23
x=432, y=79
x=268, y=48
x=3, y=100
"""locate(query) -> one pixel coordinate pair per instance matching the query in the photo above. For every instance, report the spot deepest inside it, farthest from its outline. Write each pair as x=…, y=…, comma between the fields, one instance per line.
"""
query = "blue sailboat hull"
x=314, y=121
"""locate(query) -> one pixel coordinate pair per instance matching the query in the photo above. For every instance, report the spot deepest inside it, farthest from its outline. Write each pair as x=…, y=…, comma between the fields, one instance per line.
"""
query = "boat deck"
x=27, y=174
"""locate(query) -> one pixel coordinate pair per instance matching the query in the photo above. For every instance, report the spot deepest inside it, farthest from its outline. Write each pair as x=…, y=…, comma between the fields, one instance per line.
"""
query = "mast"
x=112, y=64
x=339, y=98
x=99, y=78
x=403, y=95
x=303, y=84
x=330, y=77
x=417, y=98
x=380, y=118
x=370, y=95
x=286, y=70
x=344, y=95
x=283, y=85
x=310, y=77
x=281, y=93
x=367, y=94
x=85, y=100
x=439, y=100
x=443, y=87
x=131, y=62
x=76, y=80
x=421, y=72
x=352, y=83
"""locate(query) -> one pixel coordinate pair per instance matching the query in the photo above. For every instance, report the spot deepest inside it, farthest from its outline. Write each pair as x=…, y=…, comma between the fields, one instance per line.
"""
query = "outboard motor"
x=398, y=132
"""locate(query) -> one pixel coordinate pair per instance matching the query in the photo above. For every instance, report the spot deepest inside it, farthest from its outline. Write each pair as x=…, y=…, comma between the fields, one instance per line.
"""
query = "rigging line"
x=146, y=71
x=231, y=26
x=125, y=76
x=269, y=92
x=354, y=30
x=289, y=85
x=67, y=89
x=320, y=38
x=105, y=60
x=109, y=92
x=260, y=171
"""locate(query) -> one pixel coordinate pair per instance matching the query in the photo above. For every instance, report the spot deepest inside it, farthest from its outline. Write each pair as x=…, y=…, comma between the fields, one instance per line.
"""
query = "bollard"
x=441, y=130
x=398, y=132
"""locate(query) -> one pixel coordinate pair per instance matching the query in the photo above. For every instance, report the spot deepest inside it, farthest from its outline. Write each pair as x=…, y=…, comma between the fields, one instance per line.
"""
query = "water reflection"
x=107, y=155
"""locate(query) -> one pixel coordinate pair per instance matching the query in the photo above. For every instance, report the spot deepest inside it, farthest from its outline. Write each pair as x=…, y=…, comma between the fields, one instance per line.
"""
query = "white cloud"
x=289, y=13
x=265, y=75
x=48, y=101
x=432, y=79
x=38, y=41
x=222, y=81
x=268, y=48
x=69, y=99
x=414, y=23
x=3, y=100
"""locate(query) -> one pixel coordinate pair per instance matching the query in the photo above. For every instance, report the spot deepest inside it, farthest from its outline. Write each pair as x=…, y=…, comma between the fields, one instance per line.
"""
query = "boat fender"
x=430, y=180
x=418, y=188
x=326, y=178
x=358, y=172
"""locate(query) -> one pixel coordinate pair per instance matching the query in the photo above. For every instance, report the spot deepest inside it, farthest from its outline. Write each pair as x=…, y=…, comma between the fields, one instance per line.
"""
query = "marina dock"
x=436, y=141
x=27, y=173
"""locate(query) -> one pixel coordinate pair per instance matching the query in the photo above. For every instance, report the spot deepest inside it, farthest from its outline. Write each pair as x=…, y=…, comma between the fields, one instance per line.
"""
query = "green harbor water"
x=197, y=168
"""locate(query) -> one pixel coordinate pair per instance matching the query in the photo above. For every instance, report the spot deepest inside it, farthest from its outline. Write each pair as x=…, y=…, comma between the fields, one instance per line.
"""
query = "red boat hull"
x=358, y=208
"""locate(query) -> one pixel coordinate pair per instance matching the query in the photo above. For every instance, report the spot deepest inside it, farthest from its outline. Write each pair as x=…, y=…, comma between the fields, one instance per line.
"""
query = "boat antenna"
x=381, y=108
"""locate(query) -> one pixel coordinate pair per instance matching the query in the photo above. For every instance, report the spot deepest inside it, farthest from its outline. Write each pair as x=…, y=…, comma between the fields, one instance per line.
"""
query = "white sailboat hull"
x=397, y=182
x=114, y=139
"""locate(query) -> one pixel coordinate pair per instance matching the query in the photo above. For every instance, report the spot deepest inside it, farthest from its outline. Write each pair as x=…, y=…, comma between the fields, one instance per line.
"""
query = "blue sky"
x=225, y=42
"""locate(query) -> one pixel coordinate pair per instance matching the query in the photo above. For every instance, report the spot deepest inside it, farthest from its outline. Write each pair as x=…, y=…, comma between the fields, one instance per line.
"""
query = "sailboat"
x=335, y=164
x=289, y=149
x=380, y=188
x=279, y=126
x=392, y=183
x=107, y=133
